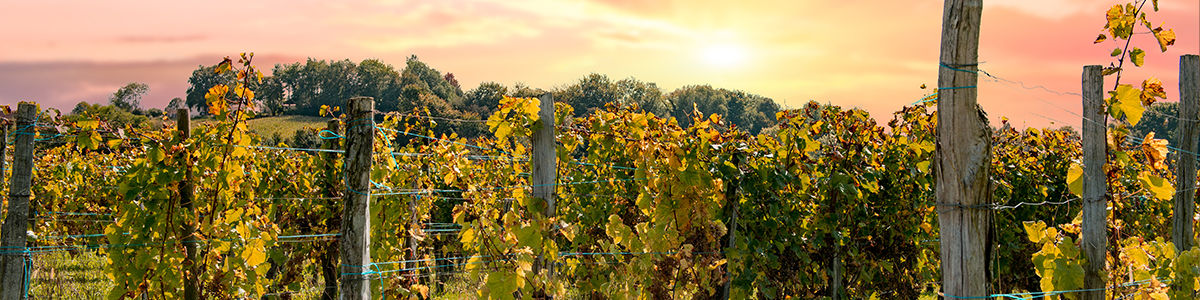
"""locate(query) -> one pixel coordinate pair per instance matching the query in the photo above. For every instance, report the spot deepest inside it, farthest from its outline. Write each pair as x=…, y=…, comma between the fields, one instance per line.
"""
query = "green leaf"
x=501, y=285
x=1138, y=56
x=529, y=236
x=1115, y=52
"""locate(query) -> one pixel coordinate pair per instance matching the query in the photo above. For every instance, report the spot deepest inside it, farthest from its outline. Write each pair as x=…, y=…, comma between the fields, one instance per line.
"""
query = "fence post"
x=732, y=199
x=356, y=216
x=962, y=161
x=16, y=223
x=545, y=164
x=3, y=150
x=191, y=282
x=1095, y=184
x=329, y=257
x=1185, y=168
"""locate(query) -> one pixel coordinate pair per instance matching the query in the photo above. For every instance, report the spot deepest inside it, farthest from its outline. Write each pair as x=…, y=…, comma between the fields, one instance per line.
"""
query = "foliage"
x=111, y=114
x=129, y=97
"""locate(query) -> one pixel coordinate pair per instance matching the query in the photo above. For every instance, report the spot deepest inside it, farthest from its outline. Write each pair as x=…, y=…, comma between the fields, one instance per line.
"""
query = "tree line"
x=302, y=88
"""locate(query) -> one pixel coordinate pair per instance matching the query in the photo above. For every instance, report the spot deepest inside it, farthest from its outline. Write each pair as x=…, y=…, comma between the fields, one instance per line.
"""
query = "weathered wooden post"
x=356, y=216
x=1095, y=184
x=1185, y=168
x=329, y=257
x=545, y=163
x=3, y=150
x=732, y=200
x=963, y=155
x=187, y=188
x=16, y=223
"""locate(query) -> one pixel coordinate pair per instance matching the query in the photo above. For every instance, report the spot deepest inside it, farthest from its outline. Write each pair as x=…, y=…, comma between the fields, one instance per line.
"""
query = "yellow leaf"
x=1155, y=150
x=1165, y=38
x=88, y=124
x=1100, y=38
x=1075, y=179
x=1035, y=230
x=1158, y=186
x=1129, y=103
x=254, y=256
x=1152, y=89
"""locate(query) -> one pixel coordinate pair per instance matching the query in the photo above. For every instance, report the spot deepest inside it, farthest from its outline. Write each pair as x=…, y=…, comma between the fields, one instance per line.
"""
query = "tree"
x=175, y=104
x=203, y=78
x=484, y=99
x=111, y=114
x=749, y=112
x=376, y=79
x=1159, y=118
x=646, y=95
x=589, y=94
x=129, y=97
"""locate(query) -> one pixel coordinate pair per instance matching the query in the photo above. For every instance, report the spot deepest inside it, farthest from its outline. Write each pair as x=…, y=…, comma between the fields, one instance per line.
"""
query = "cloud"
x=153, y=39
x=63, y=84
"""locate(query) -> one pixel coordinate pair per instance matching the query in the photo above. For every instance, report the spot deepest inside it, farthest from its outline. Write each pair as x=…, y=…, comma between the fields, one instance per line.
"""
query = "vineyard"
x=642, y=207
x=618, y=203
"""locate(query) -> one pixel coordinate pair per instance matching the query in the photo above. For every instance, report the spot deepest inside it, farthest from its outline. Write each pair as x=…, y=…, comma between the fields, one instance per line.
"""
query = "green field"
x=285, y=126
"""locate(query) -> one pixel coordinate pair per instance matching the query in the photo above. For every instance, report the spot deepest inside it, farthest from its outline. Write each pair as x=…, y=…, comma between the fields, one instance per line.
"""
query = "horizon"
x=873, y=56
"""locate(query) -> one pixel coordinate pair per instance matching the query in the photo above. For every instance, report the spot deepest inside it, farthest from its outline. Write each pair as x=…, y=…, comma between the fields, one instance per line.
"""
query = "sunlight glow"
x=723, y=55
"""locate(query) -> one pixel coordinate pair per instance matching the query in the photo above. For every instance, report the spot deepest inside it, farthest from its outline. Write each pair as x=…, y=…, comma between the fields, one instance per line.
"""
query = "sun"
x=723, y=55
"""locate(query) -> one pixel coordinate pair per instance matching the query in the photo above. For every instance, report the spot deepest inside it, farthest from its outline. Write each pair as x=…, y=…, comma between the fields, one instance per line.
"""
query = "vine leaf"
x=1165, y=38
x=1158, y=186
x=1129, y=103
x=1138, y=56
x=1075, y=180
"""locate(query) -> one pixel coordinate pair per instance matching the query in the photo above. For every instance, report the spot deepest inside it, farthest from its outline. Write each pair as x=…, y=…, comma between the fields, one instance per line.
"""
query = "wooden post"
x=415, y=228
x=835, y=259
x=12, y=236
x=356, y=216
x=187, y=188
x=545, y=162
x=963, y=155
x=1185, y=169
x=732, y=200
x=1095, y=184
x=330, y=256
x=3, y=149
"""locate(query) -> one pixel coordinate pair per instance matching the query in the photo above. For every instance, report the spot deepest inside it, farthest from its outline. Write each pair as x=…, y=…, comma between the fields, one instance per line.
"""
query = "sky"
x=873, y=55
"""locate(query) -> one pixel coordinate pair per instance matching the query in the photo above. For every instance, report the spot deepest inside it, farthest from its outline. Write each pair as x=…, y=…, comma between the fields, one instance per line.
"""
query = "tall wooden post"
x=12, y=236
x=1095, y=184
x=544, y=160
x=963, y=155
x=356, y=216
x=187, y=188
x=733, y=201
x=1185, y=169
x=329, y=257
x=3, y=150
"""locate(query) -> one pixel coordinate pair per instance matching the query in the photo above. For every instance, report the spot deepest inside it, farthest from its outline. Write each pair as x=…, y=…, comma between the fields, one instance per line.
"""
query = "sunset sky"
x=869, y=54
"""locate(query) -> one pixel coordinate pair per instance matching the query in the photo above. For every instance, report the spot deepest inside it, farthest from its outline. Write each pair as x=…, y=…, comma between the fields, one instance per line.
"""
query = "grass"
x=65, y=275
x=285, y=126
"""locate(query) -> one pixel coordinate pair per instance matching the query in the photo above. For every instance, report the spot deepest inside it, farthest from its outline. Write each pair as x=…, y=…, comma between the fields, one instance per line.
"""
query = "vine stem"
x=212, y=204
x=1125, y=51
